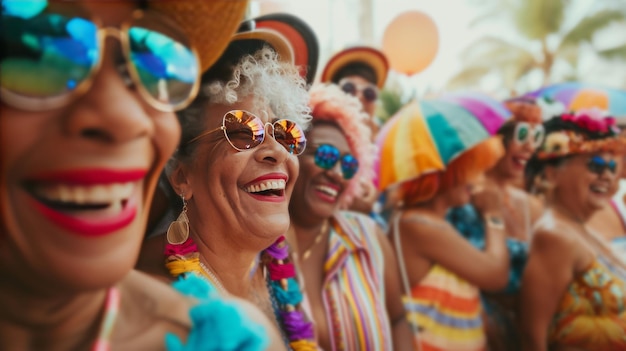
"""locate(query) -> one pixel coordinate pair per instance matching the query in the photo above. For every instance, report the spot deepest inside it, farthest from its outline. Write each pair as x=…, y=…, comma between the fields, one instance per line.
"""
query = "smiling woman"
x=583, y=282
x=86, y=125
x=234, y=171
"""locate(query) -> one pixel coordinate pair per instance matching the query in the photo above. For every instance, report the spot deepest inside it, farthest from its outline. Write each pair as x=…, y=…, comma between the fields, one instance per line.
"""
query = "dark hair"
x=355, y=69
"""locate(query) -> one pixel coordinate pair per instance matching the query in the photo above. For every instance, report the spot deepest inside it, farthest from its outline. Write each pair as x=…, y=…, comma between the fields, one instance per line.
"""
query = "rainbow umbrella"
x=424, y=137
x=578, y=95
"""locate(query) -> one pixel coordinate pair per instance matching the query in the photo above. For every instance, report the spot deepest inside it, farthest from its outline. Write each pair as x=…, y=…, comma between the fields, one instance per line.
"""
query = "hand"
x=487, y=198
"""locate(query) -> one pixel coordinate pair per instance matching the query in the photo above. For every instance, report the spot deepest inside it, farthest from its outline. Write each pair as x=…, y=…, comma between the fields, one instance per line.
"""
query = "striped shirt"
x=354, y=286
x=447, y=311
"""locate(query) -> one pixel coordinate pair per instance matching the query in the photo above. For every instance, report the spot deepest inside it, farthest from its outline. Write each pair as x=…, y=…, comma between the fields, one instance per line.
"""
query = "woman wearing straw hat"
x=234, y=172
x=350, y=271
x=574, y=285
x=433, y=170
x=86, y=125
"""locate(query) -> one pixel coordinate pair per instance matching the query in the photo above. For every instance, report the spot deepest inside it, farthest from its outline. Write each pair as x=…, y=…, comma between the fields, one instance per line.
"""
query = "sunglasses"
x=597, y=165
x=369, y=93
x=48, y=59
x=245, y=131
x=327, y=156
x=525, y=133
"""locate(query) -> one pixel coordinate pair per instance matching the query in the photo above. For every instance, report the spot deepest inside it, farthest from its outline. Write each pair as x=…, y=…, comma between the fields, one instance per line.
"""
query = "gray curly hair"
x=261, y=75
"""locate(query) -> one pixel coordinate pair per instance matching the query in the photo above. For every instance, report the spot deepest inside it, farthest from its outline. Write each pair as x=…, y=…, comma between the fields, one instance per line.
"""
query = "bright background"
x=336, y=23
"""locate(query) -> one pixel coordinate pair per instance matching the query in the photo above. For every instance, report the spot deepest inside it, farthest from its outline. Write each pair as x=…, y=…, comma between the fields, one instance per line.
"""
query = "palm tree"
x=551, y=39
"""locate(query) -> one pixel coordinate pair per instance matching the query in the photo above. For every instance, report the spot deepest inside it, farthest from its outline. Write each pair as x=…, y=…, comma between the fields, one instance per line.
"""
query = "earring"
x=178, y=231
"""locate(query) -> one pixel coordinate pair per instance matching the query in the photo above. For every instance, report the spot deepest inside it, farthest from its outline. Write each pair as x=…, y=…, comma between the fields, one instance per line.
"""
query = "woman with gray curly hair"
x=234, y=170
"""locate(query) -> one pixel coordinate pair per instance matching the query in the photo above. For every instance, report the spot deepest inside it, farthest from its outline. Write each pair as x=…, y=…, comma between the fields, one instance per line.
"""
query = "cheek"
x=167, y=134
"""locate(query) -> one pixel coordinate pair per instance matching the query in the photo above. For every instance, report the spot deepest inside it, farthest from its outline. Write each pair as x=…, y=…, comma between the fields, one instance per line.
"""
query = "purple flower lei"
x=287, y=293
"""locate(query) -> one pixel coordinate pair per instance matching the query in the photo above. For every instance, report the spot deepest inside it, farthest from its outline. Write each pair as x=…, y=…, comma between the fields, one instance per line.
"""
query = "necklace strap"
x=111, y=309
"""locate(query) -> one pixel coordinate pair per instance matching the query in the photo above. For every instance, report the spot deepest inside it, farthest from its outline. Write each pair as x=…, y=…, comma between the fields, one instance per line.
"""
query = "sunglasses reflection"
x=327, y=156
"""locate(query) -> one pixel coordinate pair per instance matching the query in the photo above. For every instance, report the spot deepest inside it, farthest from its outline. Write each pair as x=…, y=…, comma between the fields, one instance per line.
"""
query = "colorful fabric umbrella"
x=424, y=137
x=578, y=95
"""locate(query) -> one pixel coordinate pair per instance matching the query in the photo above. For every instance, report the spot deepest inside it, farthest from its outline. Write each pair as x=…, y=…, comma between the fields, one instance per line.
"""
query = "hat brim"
x=301, y=37
x=365, y=55
x=209, y=25
x=253, y=40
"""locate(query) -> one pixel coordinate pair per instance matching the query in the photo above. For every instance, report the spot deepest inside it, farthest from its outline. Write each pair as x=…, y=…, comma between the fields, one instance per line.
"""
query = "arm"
x=401, y=331
x=439, y=242
x=547, y=274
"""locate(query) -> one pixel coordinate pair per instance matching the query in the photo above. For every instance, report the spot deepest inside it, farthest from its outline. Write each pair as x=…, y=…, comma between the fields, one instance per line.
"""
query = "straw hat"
x=301, y=37
x=365, y=55
x=209, y=24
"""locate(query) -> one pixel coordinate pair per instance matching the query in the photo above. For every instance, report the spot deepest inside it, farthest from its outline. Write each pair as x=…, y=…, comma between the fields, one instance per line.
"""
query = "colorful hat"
x=209, y=24
x=575, y=140
x=365, y=55
x=301, y=37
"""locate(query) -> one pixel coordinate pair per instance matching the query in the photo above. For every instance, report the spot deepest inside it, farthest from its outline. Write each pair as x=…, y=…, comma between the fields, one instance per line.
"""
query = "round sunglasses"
x=525, y=132
x=597, y=165
x=245, y=131
x=369, y=93
x=48, y=59
x=327, y=156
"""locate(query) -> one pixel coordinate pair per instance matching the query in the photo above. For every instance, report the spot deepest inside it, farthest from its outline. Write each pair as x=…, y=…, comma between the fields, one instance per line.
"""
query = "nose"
x=111, y=111
x=271, y=150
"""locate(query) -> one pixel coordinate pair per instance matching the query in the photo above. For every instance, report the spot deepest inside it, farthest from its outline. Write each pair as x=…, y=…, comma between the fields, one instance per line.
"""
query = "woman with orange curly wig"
x=351, y=275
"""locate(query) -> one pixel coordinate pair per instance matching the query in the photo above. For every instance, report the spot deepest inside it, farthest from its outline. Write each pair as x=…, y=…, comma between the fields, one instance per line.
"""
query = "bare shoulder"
x=416, y=224
x=552, y=236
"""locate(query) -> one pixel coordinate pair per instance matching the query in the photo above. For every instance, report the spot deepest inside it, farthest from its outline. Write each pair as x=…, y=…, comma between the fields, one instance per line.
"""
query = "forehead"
x=215, y=112
x=328, y=134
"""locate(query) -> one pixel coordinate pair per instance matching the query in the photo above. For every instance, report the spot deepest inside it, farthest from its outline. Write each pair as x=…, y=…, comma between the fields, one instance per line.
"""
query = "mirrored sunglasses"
x=597, y=165
x=327, y=156
x=525, y=133
x=245, y=131
x=48, y=59
x=369, y=93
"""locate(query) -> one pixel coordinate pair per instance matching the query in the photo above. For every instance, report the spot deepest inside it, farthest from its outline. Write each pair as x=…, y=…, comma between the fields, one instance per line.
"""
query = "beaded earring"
x=178, y=231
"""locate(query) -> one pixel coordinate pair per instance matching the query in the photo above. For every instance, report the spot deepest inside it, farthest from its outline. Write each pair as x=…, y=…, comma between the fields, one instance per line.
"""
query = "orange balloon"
x=411, y=42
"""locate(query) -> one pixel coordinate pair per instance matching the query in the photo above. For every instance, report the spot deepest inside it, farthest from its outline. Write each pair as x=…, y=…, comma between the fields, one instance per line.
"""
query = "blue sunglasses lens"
x=327, y=156
x=349, y=166
x=45, y=54
x=597, y=165
x=167, y=69
x=48, y=55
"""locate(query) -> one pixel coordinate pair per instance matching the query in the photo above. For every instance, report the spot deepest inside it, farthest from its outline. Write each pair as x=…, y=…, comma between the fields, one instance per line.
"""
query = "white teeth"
x=599, y=189
x=266, y=185
x=83, y=194
x=327, y=190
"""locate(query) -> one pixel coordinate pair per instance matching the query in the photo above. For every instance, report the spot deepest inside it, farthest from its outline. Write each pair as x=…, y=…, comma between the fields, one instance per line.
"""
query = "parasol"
x=576, y=95
x=424, y=137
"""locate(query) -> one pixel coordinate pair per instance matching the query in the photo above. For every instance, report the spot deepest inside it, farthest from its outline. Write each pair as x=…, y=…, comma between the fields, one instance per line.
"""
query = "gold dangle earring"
x=178, y=231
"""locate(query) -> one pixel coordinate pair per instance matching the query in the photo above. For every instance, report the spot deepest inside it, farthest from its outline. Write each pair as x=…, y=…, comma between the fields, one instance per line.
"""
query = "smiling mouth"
x=111, y=198
x=86, y=210
x=599, y=189
x=327, y=190
x=273, y=187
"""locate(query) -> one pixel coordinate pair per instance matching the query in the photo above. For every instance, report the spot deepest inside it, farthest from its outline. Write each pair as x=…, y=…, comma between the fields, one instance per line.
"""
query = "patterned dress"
x=592, y=313
x=354, y=286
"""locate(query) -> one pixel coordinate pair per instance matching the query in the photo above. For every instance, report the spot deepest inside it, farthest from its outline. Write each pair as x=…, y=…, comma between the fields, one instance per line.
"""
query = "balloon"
x=411, y=42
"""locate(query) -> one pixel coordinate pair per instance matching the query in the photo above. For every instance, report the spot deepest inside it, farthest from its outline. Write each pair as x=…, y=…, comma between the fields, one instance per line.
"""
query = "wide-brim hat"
x=366, y=55
x=209, y=24
x=301, y=37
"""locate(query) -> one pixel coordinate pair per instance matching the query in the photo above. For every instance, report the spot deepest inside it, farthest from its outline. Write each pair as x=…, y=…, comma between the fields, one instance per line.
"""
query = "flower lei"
x=284, y=289
x=566, y=142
